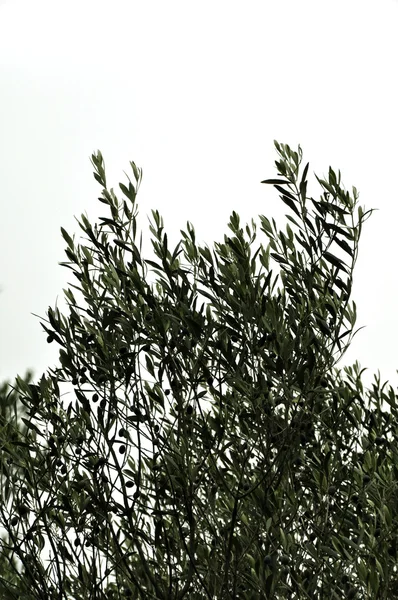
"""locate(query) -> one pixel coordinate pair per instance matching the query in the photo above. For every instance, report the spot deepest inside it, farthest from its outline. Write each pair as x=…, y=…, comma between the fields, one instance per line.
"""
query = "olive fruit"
x=332, y=490
x=23, y=510
x=14, y=521
x=284, y=560
x=129, y=484
x=267, y=560
x=50, y=339
x=366, y=479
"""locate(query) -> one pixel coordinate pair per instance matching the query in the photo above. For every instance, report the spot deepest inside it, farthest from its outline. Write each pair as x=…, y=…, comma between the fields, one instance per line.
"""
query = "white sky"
x=194, y=93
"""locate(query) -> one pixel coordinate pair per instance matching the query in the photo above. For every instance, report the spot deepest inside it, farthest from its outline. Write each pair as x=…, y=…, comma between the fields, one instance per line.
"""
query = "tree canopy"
x=211, y=448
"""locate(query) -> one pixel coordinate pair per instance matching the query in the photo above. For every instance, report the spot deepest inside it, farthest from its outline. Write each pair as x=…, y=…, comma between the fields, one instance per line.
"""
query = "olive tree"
x=211, y=447
x=13, y=429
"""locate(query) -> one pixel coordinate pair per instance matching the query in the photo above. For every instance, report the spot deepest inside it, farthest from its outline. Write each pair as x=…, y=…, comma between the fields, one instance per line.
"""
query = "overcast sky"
x=194, y=93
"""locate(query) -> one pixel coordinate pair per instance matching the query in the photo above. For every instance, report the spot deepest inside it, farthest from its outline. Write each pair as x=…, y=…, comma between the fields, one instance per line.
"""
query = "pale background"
x=194, y=93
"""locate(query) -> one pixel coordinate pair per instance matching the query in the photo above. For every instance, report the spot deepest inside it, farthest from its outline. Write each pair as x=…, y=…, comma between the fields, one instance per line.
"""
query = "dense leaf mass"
x=211, y=448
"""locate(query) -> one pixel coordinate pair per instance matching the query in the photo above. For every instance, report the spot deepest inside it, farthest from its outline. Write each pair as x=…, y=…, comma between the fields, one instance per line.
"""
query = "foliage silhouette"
x=14, y=429
x=259, y=470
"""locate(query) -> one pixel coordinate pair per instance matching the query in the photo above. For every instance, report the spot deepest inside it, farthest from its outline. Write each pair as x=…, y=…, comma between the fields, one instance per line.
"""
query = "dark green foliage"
x=13, y=429
x=246, y=465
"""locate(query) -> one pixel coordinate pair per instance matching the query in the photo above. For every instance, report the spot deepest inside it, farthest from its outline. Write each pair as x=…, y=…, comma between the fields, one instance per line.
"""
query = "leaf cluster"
x=211, y=448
